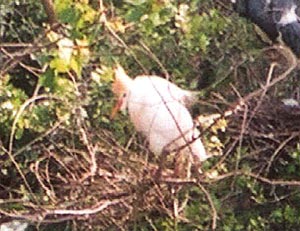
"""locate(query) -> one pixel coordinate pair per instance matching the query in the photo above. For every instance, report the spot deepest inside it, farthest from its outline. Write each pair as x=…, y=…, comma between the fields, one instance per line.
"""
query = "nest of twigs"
x=269, y=118
x=269, y=127
x=83, y=174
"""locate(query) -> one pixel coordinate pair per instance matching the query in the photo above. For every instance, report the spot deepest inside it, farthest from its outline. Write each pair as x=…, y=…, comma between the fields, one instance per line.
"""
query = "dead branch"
x=83, y=212
x=49, y=9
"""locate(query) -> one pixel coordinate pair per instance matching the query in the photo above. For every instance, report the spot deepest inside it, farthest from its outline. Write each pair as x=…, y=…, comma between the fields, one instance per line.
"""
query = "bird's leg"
x=180, y=165
x=197, y=169
x=161, y=164
x=183, y=162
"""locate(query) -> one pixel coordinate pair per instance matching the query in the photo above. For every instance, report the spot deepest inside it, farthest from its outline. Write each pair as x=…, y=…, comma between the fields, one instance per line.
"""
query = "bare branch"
x=83, y=212
x=49, y=9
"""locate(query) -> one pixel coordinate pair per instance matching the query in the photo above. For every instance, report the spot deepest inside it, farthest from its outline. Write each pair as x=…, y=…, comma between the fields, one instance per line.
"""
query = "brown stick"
x=49, y=9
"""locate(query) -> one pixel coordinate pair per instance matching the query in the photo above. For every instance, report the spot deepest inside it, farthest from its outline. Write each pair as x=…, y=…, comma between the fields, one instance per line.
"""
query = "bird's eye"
x=124, y=95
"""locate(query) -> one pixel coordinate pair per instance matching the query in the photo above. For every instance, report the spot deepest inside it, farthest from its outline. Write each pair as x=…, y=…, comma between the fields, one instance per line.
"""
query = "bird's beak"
x=116, y=108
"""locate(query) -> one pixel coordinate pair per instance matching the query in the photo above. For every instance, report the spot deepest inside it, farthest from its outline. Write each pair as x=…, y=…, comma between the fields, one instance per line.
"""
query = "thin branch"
x=118, y=38
x=49, y=9
x=12, y=134
x=18, y=56
x=83, y=212
x=253, y=175
x=280, y=147
x=212, y=206
x=154, y=57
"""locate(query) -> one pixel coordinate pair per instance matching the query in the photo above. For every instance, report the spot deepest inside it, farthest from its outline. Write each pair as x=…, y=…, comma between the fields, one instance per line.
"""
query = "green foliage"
x=11, y=100
x=78, y=15
x=15, y=25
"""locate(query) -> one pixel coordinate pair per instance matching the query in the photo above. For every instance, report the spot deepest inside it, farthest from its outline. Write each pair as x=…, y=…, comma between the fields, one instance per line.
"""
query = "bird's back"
x=157, y=109
x=160, y=88
x=147, y=95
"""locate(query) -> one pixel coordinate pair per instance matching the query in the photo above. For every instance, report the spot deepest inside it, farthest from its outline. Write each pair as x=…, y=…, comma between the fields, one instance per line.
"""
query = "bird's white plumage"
x=289, y=16
x=157, y=108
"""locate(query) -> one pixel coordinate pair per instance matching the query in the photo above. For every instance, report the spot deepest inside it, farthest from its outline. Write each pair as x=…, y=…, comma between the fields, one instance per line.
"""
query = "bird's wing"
x=161, y=89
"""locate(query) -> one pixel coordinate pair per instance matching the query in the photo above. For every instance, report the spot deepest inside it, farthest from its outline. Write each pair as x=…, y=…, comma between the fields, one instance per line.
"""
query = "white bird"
x=157, y=109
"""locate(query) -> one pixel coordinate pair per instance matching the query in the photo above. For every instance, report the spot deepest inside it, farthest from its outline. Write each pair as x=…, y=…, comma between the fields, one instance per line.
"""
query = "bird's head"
x=121, y=88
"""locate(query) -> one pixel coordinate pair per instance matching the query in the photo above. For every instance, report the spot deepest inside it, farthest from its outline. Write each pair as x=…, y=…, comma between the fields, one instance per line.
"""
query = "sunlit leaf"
x=59, y=65
x=65, y=49
x=75, y=66
x=136, y=2
x=19, y=133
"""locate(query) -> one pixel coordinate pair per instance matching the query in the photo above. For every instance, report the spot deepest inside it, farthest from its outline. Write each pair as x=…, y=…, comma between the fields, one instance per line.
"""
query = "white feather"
x=289, y=16
x=157, y=108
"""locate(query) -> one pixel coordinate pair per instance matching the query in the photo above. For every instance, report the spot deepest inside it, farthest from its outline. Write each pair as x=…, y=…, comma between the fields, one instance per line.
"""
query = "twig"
x=16, y=57
x=49, y=8
x=153, y=56
x=212, y=206
x=253, y=175
x=50, y=193
x=280, y=147
x=118, y=38
x=197, y=183
x=12, y=134
x=52, y=129
x=91, y=150
x=83, y=212
x=265, y=89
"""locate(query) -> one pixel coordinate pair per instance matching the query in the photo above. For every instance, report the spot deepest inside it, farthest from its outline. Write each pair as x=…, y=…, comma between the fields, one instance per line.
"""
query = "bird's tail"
x=198, y=148
x=189, y=98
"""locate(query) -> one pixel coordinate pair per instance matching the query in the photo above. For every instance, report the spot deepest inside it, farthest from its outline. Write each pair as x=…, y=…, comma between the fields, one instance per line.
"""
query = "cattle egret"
x=157, y=109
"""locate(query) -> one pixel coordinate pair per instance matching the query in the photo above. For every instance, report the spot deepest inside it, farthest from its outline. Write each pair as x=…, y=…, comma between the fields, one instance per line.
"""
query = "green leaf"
x=134, y=14
x=64, y=86
x=66, y=12
x=19, y=133
x=75, y=65
x=47, y=80
x=59, y=65
x=136, y=2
